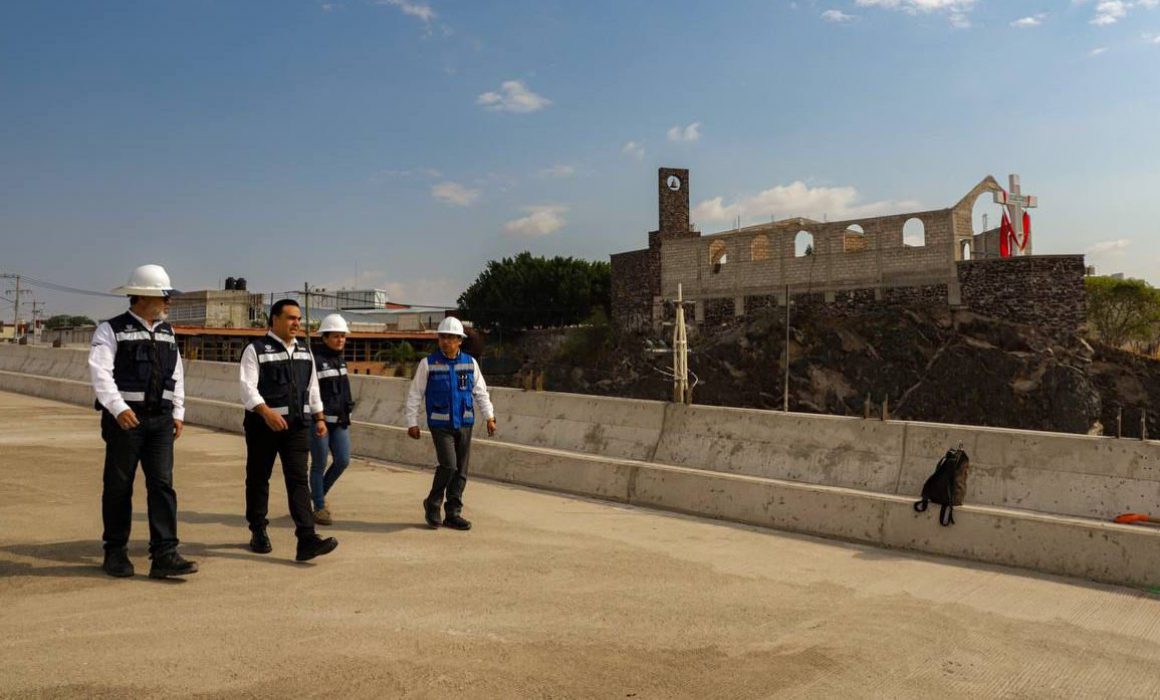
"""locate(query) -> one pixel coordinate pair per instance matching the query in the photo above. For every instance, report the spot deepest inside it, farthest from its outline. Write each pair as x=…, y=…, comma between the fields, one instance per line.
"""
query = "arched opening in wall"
x=759, y=248
x=718, y=256
x=986, y=215
x=965, y=250
x=803, y=244
x=914, y=233
x=853, y=239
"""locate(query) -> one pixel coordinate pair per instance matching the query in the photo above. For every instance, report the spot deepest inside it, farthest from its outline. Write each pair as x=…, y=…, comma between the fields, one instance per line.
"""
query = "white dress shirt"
x=251, y=399
x=419, y=389
x=101, y=356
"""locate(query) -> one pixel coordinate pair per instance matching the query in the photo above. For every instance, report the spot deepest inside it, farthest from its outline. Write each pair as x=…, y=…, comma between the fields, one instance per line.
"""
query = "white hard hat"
x=451, y=326
x=333, y=324
x=147, y=281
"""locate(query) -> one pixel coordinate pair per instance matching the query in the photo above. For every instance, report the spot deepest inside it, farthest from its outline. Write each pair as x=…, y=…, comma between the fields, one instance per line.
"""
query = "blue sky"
x=401, y=144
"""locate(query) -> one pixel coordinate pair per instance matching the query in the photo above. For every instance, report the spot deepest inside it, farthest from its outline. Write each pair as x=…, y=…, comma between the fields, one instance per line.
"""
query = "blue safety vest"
x=450, y=403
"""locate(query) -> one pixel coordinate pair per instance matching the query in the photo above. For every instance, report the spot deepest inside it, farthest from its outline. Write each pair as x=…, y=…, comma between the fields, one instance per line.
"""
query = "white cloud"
x=558, y=171
x=414, y=9
x=798, y=199
x=1115, y=247
x=540, y=221
x=1032, y=21
x=1097, y=52
x=455, y=193
x=955, y=10
x=1152, y=38
x=1109, y=12
x=633, y=150
x=513, y=96
x=437, y=291
x=686, y=134
x=836, y=16
x=327, y=7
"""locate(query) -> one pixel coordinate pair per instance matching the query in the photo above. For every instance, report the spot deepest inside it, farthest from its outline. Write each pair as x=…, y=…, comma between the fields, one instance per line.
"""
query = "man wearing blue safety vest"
x=137, y=376
x=279, y=388
x=450, y=385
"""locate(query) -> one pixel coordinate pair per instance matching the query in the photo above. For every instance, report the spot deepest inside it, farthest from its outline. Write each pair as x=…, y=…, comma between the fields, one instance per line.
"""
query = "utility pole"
x=680, y=354
x=35, y=318
x=306, y=295
x=785, y=395
x=15, y=307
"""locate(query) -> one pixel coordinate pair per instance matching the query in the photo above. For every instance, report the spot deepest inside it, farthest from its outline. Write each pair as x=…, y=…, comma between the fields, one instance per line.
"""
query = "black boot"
x=260, y=542
x=117, y=563
x=171, y=564
x=431, y=513
x=310, y=546
x=456, y=522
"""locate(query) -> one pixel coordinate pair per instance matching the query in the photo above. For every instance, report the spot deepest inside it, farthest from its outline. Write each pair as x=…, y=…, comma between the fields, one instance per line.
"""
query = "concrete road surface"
x=548, y=597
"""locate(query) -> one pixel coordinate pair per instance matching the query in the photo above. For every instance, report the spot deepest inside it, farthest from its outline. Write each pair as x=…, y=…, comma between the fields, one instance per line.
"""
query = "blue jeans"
x=336, y=444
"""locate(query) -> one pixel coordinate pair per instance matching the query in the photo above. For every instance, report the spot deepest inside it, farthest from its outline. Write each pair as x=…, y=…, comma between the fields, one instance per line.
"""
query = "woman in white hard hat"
x=338, y=403
x=451, y=385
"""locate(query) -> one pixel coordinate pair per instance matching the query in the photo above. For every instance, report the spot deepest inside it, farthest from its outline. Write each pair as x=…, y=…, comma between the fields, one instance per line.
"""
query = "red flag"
x=1026, y=231
x=1005, y=234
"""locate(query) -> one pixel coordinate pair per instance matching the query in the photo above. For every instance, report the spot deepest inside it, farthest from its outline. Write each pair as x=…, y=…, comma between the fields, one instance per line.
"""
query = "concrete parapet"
x=836, y=477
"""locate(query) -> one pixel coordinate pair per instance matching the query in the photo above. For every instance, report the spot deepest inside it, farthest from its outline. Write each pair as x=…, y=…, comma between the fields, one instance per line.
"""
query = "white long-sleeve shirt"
x=251, y=399
x=418, y=391
x=101, y=357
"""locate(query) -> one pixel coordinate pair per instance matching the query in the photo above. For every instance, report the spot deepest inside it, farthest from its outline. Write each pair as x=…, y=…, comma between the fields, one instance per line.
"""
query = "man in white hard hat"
x=279, y=389
x=137, y=375
x=450, y=384
x=337, y=404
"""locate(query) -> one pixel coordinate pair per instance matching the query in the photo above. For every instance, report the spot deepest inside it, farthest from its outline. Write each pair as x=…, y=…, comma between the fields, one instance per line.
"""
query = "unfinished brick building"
x=854, y=263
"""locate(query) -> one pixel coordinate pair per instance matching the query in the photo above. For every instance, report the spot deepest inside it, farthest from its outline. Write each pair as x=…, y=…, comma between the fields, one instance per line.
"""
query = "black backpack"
x=946, y=486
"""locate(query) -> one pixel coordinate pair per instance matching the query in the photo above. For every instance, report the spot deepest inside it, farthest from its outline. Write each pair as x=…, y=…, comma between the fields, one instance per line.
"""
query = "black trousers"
x=151, y=444
x=293, y=448
x=453, y=450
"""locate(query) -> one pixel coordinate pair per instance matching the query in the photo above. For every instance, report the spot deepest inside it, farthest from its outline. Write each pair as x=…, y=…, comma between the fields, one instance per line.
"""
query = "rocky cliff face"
x=937, y=365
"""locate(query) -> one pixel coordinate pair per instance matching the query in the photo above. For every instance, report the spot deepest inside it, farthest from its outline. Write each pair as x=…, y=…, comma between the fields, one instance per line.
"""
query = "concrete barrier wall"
x=735, y=441
x=1075, y=475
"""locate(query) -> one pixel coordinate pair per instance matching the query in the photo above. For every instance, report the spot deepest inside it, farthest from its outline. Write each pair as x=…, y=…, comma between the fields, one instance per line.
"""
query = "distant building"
x=224, y=308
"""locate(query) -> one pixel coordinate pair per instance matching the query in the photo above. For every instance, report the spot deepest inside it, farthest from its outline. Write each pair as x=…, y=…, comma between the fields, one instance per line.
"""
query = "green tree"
x=1123, y=311
x=61, y=321
x=536, y=292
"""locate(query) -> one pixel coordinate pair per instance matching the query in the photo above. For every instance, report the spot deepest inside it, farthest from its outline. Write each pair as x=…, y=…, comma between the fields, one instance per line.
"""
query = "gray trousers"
x=452, y=449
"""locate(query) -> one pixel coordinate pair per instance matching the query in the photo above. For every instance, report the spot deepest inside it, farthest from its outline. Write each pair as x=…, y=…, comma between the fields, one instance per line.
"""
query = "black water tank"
x=230, y=283
x=240, y=284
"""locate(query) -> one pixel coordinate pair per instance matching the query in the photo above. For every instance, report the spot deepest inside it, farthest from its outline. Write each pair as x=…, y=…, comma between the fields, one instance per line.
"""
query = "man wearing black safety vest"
x=279, y=388
x=137, y=376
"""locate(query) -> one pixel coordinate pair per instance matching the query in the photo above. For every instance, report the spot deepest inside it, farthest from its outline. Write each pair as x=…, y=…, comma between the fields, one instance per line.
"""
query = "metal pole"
x=785, y=394
x=16, y=313
x=306, y=294
x=680, y=352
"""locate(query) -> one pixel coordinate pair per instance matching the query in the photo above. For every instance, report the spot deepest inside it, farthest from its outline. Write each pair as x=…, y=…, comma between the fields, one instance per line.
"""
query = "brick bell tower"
x=672, y=207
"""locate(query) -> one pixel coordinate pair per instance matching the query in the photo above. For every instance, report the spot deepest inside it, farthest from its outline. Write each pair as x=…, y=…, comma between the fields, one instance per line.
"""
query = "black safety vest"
x=284, y=379
x=334, y=385
x=144, y=364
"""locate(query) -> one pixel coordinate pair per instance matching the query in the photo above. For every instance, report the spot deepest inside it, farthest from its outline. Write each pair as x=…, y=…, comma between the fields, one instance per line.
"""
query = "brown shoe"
x=322, y=516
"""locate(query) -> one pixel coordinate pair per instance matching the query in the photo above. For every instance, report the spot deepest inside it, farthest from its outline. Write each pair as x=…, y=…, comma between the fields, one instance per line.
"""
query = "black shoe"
x=171, y=564
x=117, y=563
x=455, y=522
x=260, y=542
x=314, y=546
x=432, y=515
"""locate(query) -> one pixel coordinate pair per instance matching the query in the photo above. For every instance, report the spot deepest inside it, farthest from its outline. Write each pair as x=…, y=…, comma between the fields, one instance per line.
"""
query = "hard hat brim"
x=144, y=292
